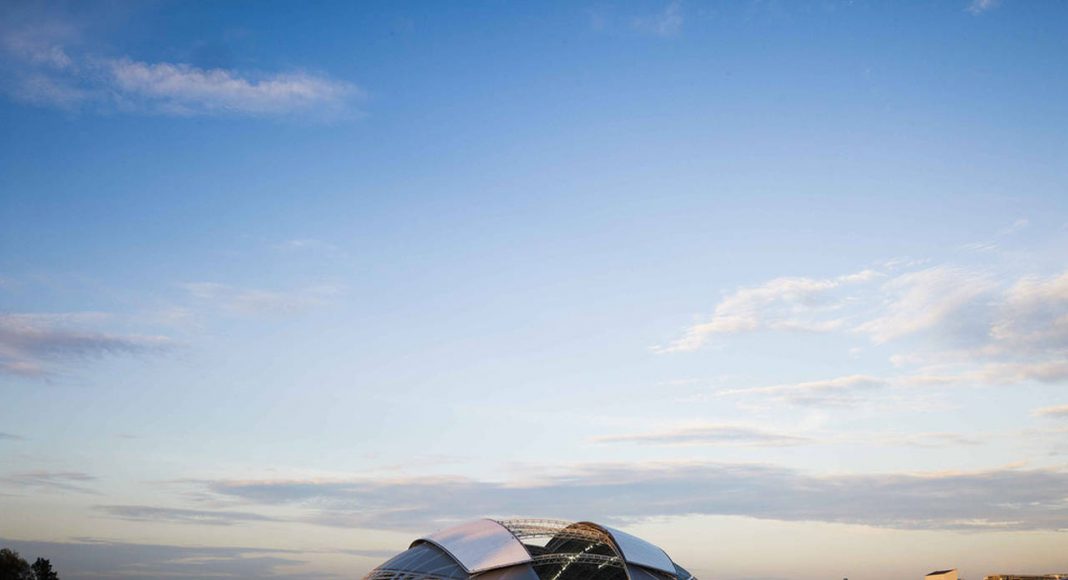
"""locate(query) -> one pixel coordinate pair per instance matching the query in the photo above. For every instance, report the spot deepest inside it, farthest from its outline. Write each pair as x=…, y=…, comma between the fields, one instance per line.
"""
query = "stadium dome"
x=526, y=549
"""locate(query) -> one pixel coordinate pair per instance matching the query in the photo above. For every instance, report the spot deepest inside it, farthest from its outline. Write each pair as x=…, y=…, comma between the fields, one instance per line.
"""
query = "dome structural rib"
x=530, y=549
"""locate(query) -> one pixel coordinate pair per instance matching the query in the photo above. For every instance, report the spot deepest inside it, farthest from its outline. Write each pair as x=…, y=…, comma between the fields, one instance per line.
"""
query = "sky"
x=781, y=287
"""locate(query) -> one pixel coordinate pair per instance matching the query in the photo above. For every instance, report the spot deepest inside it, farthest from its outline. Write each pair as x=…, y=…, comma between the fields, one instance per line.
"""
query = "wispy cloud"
x=938, y=299
x=713, y=434
x=1033, y=316
x=664, y=22
x=10, y=437
x=307, y=244
x=975, y=326
x=789, y=303
x=853, y=390
x=253, y=302
x=749, y=436
x=925, y=300
x=181, y=89
x=43, y=480
x=981, y=6
x=837, y=391
x=989, y=246
x=141, y=513
x=667, y=22
x=1057, y=411
x=998, y=499
x=1016, y=226
x=44, y=71
x=926, y=440
x=93, y=558
x=377, y=554
x=31, y=343
x=981, y=247
x=992, y=374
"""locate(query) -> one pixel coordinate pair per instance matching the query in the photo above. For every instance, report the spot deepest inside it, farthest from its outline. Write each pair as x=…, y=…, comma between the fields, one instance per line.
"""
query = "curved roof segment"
x=530, y=549
x=480, y=545
x=638, y=551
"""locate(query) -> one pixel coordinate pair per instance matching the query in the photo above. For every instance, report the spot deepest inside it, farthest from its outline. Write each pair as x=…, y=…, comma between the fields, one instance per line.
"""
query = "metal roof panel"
x=638, y=551
x=480, y=545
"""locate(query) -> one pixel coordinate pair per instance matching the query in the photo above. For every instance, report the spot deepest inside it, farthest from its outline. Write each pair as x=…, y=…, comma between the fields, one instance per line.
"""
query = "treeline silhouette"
x=13, y=567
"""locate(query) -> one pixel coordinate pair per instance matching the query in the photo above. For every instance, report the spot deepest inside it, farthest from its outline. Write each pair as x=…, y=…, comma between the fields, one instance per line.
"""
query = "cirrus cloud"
x=255, y=301
x=34, y=344
x=980, y=6
x=787, y=303
x=837, y=391
x=50, y=481
x=42, y=69
x=182, y=89
x=713, y=434
x=1056, y=411
x=141, y=513
x=996, y=499
x=102, y=558
x=975, y=326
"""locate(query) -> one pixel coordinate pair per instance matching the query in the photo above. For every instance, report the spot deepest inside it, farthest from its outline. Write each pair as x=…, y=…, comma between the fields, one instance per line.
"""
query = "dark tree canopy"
x=42, y=570
x=13, y=567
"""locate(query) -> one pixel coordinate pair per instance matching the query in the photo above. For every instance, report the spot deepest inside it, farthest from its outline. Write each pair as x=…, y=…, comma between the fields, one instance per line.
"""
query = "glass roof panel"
x=425, y=559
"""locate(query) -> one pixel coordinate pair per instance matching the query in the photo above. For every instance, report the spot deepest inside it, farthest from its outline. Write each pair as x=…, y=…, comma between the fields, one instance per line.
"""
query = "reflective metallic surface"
x=480, y=545
x=531, y=549
x=638, y=551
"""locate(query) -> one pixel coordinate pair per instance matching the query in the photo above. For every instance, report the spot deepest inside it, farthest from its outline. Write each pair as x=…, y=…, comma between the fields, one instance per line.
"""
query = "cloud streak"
x=666, y=23
x=1056, y=411
x=92, y=558
x=946, y=300
x=840, y=391
x=931, y=299
x=921, y=440
x=853, y=390
x=980, y=6
x=141, y=513
x=255, y=302
x=745, y=436
x=728, y=435
x=788, y=303
x=975, y=327
x=31, y=343
x=1034, y=316
x=182, y=89
x=43, y=480
x=42, y=71
x=999, y=499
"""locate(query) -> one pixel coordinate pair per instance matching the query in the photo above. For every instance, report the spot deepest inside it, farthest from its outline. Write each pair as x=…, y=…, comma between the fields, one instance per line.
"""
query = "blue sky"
x=282, y=287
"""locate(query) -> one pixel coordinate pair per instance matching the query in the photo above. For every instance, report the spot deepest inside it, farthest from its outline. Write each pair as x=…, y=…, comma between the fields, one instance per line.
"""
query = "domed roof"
x=530, y=549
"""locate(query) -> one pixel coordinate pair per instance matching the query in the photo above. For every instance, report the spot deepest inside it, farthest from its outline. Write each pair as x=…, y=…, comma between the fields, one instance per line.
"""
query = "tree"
x=42, y=570
x=13, y=567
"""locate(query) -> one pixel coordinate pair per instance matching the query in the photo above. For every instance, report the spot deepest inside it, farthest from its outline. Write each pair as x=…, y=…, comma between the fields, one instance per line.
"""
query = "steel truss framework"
x=559, y=550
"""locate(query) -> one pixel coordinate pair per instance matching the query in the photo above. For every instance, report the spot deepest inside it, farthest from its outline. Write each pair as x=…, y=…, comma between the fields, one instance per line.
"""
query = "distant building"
x=1019, y=577
x=943, y=575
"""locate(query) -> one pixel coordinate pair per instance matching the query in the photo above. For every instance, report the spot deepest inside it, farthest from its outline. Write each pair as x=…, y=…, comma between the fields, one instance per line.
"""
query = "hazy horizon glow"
x=761, y=282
